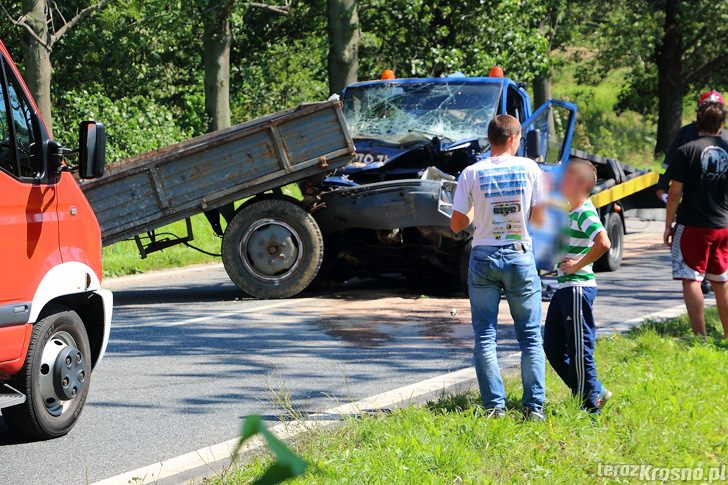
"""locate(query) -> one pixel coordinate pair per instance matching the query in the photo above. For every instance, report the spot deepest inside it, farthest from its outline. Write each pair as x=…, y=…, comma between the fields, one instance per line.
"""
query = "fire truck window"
x=22, y=120
x=7, y=159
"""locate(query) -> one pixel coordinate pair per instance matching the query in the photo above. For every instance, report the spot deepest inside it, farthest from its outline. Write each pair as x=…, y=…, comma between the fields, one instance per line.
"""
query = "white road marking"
x=209, y=455
x=234, y=312
x=671, y=312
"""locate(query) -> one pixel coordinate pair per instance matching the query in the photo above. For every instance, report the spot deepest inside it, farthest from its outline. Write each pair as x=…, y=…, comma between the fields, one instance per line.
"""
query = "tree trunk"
x=541, y=90
x=344, y=37
x=37, y=57
x=216, y=42
x=671, y=84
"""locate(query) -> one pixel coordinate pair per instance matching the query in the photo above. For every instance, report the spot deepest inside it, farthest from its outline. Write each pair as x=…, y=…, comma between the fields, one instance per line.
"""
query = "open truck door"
x=548, y=133
x=547, y=137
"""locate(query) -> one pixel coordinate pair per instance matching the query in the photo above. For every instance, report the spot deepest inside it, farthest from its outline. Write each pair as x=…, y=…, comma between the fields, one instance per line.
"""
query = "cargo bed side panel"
x=155, y=189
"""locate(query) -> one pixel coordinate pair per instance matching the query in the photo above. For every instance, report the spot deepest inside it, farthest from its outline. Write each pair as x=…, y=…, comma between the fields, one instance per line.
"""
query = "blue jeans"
x=492, y=270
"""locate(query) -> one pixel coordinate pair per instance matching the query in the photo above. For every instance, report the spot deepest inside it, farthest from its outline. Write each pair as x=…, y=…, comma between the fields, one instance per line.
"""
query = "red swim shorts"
x=700, y=253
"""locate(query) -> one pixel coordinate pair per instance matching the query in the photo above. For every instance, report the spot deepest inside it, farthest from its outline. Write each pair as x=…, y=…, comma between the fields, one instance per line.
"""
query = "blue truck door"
x=551, y=127
x=554, y=122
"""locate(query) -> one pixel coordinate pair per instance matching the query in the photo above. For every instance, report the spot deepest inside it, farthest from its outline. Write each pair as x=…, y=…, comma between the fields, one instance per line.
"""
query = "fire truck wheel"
x=272, y=249
x=55, y=378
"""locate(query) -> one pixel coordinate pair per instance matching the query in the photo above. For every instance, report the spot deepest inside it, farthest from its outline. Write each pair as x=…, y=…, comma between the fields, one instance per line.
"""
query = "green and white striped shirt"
x=584, y=225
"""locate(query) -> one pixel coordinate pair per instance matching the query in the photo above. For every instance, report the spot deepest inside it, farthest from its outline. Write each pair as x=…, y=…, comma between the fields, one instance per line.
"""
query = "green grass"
x=123, y=258
x=668, y=410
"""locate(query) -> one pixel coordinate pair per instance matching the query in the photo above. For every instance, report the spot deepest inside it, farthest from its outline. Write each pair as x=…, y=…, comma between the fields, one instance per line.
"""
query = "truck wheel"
x=272, y=249
x=612, y=260
x=55, y=378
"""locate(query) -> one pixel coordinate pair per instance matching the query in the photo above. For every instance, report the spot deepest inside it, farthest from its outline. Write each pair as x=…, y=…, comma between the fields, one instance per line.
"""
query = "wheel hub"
x=270, y=250
x=63, y=373
x=69, y=373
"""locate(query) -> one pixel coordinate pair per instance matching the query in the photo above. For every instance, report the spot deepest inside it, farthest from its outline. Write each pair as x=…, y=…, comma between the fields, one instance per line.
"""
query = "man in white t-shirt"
x=504, y=192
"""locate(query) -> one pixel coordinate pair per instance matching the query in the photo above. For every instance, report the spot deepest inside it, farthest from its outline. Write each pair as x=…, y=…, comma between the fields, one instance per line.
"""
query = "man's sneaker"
x=534, y=415
x=604, y=396
x=495, y=413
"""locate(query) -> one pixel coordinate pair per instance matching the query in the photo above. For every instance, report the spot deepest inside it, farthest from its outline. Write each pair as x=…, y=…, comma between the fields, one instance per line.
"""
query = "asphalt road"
x=189, y=357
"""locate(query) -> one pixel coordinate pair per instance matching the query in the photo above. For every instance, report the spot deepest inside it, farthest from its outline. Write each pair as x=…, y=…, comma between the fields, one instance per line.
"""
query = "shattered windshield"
x=414, y=111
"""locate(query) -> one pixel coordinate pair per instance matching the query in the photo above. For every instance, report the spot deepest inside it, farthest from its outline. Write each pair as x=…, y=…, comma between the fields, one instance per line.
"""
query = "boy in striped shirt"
x=570, y=330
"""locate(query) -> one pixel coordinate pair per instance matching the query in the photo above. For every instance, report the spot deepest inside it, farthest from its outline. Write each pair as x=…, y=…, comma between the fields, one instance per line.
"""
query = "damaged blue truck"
x=389, y=212
x=376, y=174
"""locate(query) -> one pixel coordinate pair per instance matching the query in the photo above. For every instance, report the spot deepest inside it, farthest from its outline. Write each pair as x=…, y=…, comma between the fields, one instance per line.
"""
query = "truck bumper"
x=387, y=205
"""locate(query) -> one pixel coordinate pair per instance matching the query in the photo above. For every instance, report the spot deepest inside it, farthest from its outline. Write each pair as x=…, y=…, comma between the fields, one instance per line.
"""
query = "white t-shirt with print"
x=502, y=190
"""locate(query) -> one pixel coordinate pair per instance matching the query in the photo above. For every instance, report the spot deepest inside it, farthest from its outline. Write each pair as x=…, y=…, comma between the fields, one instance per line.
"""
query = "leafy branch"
x=54, y=35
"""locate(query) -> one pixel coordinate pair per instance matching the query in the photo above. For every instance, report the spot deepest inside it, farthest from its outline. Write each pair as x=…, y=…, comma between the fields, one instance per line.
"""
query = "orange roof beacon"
x=388, y=75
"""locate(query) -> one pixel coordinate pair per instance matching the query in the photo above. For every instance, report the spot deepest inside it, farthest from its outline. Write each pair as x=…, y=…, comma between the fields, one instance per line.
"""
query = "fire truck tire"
x=272, y=249
x=612, y=260
x=55, y=378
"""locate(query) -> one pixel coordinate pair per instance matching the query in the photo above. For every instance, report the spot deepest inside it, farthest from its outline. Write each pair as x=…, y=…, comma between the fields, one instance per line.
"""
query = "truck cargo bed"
x=151, y=190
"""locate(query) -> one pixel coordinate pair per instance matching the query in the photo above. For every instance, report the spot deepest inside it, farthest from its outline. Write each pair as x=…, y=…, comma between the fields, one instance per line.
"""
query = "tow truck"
x=389, y=212
x=54, y=314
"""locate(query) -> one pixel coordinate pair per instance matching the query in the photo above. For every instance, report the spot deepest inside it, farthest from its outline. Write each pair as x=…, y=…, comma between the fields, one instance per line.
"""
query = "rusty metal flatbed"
x=146, y=192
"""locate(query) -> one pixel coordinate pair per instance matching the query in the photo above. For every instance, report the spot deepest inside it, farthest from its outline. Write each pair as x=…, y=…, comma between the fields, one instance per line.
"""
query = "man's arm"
x=663, y=184
x=462, y=204
x=538, y=215
x=459, y=221
x=601, y=245
x=673, y=200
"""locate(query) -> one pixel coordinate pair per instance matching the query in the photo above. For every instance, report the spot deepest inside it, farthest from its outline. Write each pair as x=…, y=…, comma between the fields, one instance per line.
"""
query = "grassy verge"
x=123, y=258
x=668, y=410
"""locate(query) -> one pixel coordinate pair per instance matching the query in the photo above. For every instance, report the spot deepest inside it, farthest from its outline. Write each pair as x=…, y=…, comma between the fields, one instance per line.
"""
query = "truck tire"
x=272, y=249
x=55, y=378
x=612, y=260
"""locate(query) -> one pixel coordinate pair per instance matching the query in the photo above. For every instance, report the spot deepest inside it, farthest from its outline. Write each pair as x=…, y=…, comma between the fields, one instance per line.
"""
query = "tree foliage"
x=143, y=59
x=673, y=48
x=432, y=38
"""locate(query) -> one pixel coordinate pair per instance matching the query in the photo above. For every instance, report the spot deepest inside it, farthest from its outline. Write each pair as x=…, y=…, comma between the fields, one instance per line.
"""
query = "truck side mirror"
x=533, y=144
x=55, y=160
x=91, y=150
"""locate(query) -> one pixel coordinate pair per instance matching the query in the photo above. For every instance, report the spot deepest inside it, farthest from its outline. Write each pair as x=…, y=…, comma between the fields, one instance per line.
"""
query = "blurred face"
x=573, y=185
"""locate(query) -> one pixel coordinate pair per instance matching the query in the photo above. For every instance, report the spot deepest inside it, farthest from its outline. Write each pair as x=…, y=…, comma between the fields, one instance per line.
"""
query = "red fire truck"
x=54, y=315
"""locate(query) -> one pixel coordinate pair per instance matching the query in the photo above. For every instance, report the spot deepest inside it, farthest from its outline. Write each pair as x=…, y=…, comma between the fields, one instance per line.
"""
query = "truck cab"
x=54, y=315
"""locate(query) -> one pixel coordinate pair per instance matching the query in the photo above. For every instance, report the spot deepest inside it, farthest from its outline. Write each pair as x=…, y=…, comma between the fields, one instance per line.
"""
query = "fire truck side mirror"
x=91, y=150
